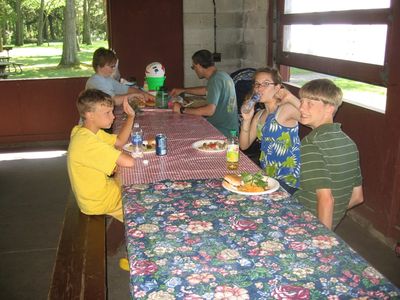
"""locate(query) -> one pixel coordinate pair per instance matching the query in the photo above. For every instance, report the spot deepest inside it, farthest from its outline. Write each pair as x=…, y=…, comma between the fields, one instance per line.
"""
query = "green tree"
x=69, y=56
x=39, y=16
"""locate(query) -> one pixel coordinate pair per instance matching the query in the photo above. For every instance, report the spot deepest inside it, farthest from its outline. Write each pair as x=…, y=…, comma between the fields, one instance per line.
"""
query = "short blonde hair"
x=88, y=99
x=324, y=90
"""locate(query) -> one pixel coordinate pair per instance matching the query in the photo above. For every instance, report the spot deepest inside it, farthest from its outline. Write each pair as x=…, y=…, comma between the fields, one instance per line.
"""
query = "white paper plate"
x=128, y=147
x=198, y=144
x=273, y=185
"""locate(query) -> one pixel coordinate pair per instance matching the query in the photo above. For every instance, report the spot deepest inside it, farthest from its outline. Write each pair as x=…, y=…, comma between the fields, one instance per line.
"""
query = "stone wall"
x=241, y=35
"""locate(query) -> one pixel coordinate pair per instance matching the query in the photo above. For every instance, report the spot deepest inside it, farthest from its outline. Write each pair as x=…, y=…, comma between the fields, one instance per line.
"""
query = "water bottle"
x=246, y=107
x=137, y=141
x=232, y=152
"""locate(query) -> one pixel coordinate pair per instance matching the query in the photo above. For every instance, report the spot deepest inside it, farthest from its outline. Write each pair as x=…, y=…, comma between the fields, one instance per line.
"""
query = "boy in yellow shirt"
x=93, y=155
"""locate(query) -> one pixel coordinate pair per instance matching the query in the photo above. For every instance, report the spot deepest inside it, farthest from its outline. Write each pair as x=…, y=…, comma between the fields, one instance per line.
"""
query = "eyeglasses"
x=264, y=84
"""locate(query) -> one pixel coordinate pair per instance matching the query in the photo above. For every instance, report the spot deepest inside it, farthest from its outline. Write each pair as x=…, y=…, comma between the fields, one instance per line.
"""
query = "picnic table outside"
x=8, y=67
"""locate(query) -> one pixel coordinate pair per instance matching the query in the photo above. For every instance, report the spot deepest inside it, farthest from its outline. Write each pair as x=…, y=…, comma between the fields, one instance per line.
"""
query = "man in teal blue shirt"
x=221, y=107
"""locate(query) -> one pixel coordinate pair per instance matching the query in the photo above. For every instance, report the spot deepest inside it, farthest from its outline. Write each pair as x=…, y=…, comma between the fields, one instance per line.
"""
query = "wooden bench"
x=80, y=266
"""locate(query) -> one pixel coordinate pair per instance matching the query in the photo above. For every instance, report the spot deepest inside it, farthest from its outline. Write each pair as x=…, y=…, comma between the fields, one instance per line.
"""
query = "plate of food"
x=150, y=103
x=136, y=102
x=149, y=146
x=250, y=184
x=210, y=145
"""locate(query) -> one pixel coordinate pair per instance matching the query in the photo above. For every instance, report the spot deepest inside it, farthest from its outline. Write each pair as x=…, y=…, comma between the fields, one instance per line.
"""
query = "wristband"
x=182, y=109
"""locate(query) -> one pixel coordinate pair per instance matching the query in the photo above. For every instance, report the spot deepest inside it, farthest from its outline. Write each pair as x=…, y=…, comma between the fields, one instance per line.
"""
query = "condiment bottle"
x=232, y=152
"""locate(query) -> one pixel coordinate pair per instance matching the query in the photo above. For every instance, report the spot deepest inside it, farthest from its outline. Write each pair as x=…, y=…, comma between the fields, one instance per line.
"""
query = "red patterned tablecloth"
x=182, y=160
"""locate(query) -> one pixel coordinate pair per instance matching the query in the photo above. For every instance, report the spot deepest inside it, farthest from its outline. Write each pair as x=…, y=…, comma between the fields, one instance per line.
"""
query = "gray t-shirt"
x=107, y=85
x=221, y=92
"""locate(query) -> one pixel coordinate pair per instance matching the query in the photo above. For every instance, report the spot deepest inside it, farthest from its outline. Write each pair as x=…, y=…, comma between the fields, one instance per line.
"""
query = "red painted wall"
x=378, y=154
x=146, y=31
x=38, y=110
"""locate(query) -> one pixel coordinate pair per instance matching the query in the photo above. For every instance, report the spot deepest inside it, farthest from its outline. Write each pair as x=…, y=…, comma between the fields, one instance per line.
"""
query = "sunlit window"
x=344, y=38
x=304, y=6
x=362, y=43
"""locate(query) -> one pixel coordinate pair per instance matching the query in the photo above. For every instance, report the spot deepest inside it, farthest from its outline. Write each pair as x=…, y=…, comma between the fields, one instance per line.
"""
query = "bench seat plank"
x=80, y=267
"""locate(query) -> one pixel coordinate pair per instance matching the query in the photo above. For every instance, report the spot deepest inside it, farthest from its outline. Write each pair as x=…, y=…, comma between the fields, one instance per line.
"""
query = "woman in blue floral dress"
x=276, y=126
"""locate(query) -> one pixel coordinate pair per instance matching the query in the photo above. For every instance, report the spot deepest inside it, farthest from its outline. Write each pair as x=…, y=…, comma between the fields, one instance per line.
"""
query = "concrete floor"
x=33, y=196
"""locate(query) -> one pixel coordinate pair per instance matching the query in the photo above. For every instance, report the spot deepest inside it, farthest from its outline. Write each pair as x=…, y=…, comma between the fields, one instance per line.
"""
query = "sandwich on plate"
x=246, y=182
x=233, y=181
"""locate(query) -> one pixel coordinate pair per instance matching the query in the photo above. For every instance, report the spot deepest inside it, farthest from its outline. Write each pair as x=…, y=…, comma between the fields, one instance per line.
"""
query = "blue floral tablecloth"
x=195, y=240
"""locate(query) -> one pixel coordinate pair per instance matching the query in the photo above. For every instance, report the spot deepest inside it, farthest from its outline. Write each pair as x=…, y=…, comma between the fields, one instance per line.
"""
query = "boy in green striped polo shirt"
x=330, y=178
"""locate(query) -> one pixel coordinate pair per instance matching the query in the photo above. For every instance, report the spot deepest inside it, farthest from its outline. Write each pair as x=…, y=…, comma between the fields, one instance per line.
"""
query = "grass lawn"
x=42, y=61
x=300, y=77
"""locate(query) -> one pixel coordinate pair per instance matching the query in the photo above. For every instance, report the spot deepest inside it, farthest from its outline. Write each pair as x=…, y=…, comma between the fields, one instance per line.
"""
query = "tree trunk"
x=51, y=28
x=2, y=33
x=46, y=29
x=2, y=26
x=40, y=23
x=19, y=24
x=86, y=38
x=105, y=9
x=70, y=53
